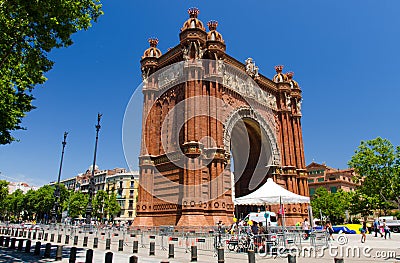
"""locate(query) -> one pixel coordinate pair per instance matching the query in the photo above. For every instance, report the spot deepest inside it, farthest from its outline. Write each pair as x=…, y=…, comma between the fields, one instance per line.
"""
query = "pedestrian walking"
x=386, y=229
x=363, y=231
x=306, y=228
x=329, y=229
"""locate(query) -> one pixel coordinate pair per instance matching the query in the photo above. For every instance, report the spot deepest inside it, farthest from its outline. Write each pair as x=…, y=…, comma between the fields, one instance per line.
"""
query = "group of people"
x=382, y=228
x=256, y=228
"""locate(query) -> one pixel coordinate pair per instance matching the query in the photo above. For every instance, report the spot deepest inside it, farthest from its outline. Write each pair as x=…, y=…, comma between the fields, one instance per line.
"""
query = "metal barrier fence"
x=204, y=238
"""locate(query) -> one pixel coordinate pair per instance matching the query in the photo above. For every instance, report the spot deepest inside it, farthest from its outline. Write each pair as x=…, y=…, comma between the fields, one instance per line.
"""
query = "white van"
x=267, y=218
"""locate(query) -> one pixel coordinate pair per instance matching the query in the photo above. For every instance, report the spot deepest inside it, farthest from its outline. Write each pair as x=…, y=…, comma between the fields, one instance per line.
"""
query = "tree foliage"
x=332, y=205
x=3, y=190
x=29, y=30
x=37, y=204
x=77, y=204
x=105, y=205
x=377, y=163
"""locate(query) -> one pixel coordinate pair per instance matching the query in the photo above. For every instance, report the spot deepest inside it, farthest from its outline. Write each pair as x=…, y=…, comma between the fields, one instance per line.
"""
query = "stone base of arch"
x=191, y=219
x=144, y=221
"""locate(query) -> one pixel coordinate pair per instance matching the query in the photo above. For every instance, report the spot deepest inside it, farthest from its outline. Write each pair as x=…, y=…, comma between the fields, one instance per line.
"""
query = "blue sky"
x=345, y=55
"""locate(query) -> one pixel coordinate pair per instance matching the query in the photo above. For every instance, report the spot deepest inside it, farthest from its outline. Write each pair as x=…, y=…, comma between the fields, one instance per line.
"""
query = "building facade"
x=24, y=187
x=125, y=186
x=82, y=180
x=203, y=108
x=321, y=175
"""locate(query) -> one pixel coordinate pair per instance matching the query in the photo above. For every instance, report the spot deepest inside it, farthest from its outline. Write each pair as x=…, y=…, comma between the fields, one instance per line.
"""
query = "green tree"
x=332, y=205
x=77, y=204
x=44, y=201
x=362, y=204
x=377, y=163
x=29, y=30
x=3, y=189
x=112, y=206
x=99, y=203
x=16, y=203
x=29, y=204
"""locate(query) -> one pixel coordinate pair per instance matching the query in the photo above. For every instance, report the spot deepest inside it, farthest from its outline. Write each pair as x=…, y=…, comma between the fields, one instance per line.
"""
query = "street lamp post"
x=57, y=188
x=89, y=207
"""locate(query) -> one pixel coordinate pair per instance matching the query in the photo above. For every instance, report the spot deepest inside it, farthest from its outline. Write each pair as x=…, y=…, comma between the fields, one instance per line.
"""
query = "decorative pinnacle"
x=290, y=74
x=279, y=68
x=193, y=12
x=212, y=25
x=153, y=42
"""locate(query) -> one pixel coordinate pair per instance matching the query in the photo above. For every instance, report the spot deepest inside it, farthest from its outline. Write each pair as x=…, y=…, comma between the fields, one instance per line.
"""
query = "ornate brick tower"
x=201, y=110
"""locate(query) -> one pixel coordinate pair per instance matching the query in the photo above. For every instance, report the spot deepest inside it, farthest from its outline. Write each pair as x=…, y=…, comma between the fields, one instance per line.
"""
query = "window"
x=333, y=189
x=311, y=180
x=312, y=191
x=130, y=214
x=132, y=184
x=320, y=179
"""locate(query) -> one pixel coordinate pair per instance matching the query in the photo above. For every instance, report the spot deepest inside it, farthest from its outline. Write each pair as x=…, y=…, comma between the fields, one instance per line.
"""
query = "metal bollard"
x=95, y=242
x=52, y=237
x=37, y=248
x=75, y=240
x=7, y=241
x=59, y=252
x=28, y=246
x=1, y=241
x=85, y=241
x=338, y=260
x=46, y=236
x=121, y=245
x=108, y=244
x=20, y=244
x=66, y=239
x=194, y=254
x=251, y=256
x=221, y=255
x=72, y=255
x=12, y=245
x=171, y=252
x=47, y=250
x=89, y=256
x=109, y=257
x=135, y=246
x=133, y=259
x=59, y=238
x=152, y=249
x=291, y=258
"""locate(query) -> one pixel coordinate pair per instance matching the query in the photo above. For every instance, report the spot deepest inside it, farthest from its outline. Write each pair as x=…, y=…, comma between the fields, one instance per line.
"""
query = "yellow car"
x=356, y=227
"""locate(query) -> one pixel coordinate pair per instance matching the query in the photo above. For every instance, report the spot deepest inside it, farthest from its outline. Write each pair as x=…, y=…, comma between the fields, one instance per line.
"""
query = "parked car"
x=343, y=229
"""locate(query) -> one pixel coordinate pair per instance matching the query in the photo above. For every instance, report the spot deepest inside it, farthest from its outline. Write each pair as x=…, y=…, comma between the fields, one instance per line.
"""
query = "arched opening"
x=251, y=154
x=251, y=157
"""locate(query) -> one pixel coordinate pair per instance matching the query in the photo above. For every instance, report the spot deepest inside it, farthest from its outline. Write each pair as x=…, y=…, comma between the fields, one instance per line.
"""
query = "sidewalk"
x=374, y=250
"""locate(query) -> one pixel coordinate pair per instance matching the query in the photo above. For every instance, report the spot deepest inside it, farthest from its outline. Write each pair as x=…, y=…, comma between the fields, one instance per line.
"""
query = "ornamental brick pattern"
x=185, y=170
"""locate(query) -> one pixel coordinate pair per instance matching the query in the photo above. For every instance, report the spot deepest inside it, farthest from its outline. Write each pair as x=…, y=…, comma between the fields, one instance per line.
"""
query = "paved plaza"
x=373, y=250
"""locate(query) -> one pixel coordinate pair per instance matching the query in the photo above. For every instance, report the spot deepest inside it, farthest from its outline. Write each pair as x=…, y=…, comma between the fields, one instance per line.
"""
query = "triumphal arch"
x=214, y=128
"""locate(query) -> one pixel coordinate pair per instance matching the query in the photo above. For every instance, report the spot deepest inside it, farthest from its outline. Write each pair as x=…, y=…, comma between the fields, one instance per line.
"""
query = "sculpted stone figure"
x=288, y=101
x=298, y=105
x=186, y=56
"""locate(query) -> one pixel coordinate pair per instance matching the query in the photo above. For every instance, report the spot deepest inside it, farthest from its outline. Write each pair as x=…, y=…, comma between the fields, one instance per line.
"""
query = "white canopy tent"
x=271, y=194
